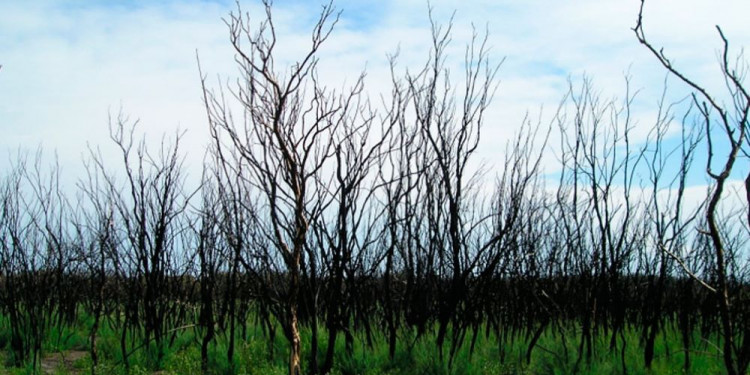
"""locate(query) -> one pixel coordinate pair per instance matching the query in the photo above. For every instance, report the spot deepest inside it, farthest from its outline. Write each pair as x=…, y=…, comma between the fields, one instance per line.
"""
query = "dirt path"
x=62, y=360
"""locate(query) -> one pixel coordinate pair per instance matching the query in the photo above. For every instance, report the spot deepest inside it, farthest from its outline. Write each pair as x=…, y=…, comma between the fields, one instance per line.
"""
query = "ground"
x=52, y=363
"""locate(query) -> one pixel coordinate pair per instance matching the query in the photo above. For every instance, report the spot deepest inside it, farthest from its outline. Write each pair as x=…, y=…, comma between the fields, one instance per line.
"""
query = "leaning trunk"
x=294, y=348
x=293, y=334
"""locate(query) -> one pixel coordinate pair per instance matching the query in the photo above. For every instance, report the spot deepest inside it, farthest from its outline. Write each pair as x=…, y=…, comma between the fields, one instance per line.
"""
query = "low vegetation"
x=66, y=352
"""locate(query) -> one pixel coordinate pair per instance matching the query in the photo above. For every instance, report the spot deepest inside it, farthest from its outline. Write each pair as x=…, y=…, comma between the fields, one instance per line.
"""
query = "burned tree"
x=724, y=126
x=344, y=247
x=597, y=209
x=97, y=250
x=449, y=141
x=147, y=207
x=35, y=254
x=286, y=141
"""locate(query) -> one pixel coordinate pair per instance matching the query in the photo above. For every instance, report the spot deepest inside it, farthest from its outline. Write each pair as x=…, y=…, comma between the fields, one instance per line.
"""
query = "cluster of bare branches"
x=318, y=209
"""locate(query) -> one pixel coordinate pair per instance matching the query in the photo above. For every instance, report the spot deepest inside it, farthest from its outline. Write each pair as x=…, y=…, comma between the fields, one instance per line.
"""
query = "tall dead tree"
x=726, y=126
x=346, y=234
x=206, y=242
x=450, y=131
x=597, y=209
x=147, y=207
x=400, y=174
x=34, y=254
x=97, y=245
x=285, y=139
x=668, y=218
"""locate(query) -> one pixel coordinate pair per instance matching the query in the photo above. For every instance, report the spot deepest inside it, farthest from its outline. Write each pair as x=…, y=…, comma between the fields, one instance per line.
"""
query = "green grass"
x=252, y=357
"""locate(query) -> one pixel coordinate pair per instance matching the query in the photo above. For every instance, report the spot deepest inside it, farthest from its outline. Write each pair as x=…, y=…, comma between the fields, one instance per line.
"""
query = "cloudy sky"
x=68, y=64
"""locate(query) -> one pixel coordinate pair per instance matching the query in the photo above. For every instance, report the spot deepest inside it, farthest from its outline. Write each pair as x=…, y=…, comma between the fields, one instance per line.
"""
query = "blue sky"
x=67, y=64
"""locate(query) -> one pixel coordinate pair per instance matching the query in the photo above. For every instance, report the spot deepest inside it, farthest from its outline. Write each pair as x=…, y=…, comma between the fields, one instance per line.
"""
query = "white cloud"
x=66, y=65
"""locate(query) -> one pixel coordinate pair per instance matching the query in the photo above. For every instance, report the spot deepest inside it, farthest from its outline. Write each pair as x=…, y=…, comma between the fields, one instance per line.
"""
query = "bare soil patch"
x=62, y=360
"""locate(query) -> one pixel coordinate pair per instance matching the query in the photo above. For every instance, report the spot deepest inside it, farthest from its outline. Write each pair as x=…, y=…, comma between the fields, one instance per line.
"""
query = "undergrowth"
x=257, y=354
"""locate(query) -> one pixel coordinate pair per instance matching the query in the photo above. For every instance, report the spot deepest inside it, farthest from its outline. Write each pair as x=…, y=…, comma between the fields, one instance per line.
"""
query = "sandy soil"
x=63, y=360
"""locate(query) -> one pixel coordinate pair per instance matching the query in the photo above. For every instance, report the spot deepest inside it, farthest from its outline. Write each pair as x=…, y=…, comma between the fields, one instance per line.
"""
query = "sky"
x=68, y=65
